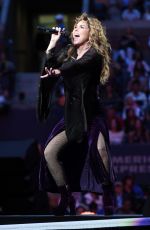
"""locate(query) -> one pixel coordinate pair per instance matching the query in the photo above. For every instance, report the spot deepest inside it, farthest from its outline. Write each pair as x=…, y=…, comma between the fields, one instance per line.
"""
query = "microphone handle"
x=49, y=30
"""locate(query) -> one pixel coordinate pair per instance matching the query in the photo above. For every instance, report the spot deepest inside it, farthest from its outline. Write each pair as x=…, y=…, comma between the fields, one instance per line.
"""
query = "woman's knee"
x=46, y=154
x=101, y=143
x=49, y=152
x=54, y=146
x=102, y=151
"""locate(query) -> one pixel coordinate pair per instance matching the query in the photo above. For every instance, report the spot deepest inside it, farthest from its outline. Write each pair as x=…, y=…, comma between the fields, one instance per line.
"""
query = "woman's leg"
x=108, y=199
x=51, y=155
x=103, y=151
x=55, y=167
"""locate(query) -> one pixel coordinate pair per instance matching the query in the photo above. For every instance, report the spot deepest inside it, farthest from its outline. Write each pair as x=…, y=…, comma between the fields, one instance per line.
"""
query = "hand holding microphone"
x=55, y=35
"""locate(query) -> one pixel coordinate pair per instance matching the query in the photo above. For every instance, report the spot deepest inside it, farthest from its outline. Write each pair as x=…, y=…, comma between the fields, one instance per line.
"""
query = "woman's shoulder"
x=96, y=56
x=93, y=51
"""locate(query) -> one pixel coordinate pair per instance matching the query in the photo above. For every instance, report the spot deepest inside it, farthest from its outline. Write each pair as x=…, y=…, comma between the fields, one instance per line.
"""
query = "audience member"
x=101, y=9
x=128, y=187
x=2, y=42
x=129, y=124
x=113, y=115
x=59, y=19
x=146, y=15
x=81, y=209
x=140, y=76
x=146, y=124
x=138, y=64
x=128, y=44
x=139, y=5
x=124, y=4
x=118, y=193
x=129, y=103
x=139, y=132
x=4, y=103
x=116, y=133
x=146, y=4
x=138, y=96
x=112, y=97
x=133, y=192
x=131, y=13
x=114, y=10
x=127, y=207
x=7, y=75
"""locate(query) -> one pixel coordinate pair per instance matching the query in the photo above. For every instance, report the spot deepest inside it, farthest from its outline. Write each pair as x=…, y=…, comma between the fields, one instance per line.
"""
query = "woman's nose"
x=76, y=29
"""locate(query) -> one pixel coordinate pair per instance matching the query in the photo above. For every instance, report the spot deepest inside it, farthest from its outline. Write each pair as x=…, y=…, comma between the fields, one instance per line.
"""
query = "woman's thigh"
x=102, y=149
x=55, y=145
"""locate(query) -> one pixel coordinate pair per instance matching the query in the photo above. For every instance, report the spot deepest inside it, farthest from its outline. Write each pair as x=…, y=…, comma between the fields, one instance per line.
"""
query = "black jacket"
x=81, y=79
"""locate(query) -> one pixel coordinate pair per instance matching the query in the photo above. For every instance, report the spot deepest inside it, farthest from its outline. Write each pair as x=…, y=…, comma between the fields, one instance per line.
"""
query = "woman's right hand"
x=54, y=39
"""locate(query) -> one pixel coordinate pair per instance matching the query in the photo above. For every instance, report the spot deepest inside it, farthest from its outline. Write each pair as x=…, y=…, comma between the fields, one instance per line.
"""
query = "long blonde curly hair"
x=97, y=40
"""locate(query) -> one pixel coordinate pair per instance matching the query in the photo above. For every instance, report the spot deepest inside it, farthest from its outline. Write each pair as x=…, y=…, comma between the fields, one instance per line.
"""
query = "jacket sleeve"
x=45, y=93
x=46, y=87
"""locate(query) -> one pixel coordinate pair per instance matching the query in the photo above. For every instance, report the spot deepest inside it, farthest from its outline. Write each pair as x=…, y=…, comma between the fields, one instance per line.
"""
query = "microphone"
x=47, y=30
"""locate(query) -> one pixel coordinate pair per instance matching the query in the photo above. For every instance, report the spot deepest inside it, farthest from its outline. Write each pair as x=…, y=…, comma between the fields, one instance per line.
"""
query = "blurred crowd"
x=128, y=93
x=121, y=9
x=7, y=80
x=7, y=73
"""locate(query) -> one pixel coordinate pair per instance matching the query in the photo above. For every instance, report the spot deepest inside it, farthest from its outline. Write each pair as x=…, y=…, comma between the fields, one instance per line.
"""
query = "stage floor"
x=45, y=222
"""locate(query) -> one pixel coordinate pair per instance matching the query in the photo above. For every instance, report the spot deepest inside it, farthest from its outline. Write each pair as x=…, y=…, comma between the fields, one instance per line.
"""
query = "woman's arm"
x=47, y=81
x=50, y=59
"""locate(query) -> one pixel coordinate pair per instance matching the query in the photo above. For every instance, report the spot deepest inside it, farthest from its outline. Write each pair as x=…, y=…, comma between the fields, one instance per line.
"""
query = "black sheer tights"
x=51, y=155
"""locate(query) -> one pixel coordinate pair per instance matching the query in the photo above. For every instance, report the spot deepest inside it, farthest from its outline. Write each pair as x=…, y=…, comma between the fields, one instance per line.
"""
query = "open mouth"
x=76, y=35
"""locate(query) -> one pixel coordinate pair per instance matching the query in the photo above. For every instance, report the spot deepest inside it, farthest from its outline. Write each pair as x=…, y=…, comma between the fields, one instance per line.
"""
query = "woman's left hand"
x=52, y=72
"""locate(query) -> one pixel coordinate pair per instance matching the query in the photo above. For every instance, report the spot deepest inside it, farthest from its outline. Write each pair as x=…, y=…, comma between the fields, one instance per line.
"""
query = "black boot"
x=108, y=199
x=66, y=202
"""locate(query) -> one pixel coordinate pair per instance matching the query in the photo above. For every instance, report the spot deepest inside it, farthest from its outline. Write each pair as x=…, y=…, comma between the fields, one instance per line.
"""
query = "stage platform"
x=47, y=222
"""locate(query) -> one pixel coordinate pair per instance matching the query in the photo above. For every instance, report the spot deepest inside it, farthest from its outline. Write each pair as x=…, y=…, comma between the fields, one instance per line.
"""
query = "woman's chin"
x=76, y=42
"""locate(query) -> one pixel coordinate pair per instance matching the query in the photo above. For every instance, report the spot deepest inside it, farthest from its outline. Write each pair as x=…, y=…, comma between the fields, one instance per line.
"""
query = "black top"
x=81, y=79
